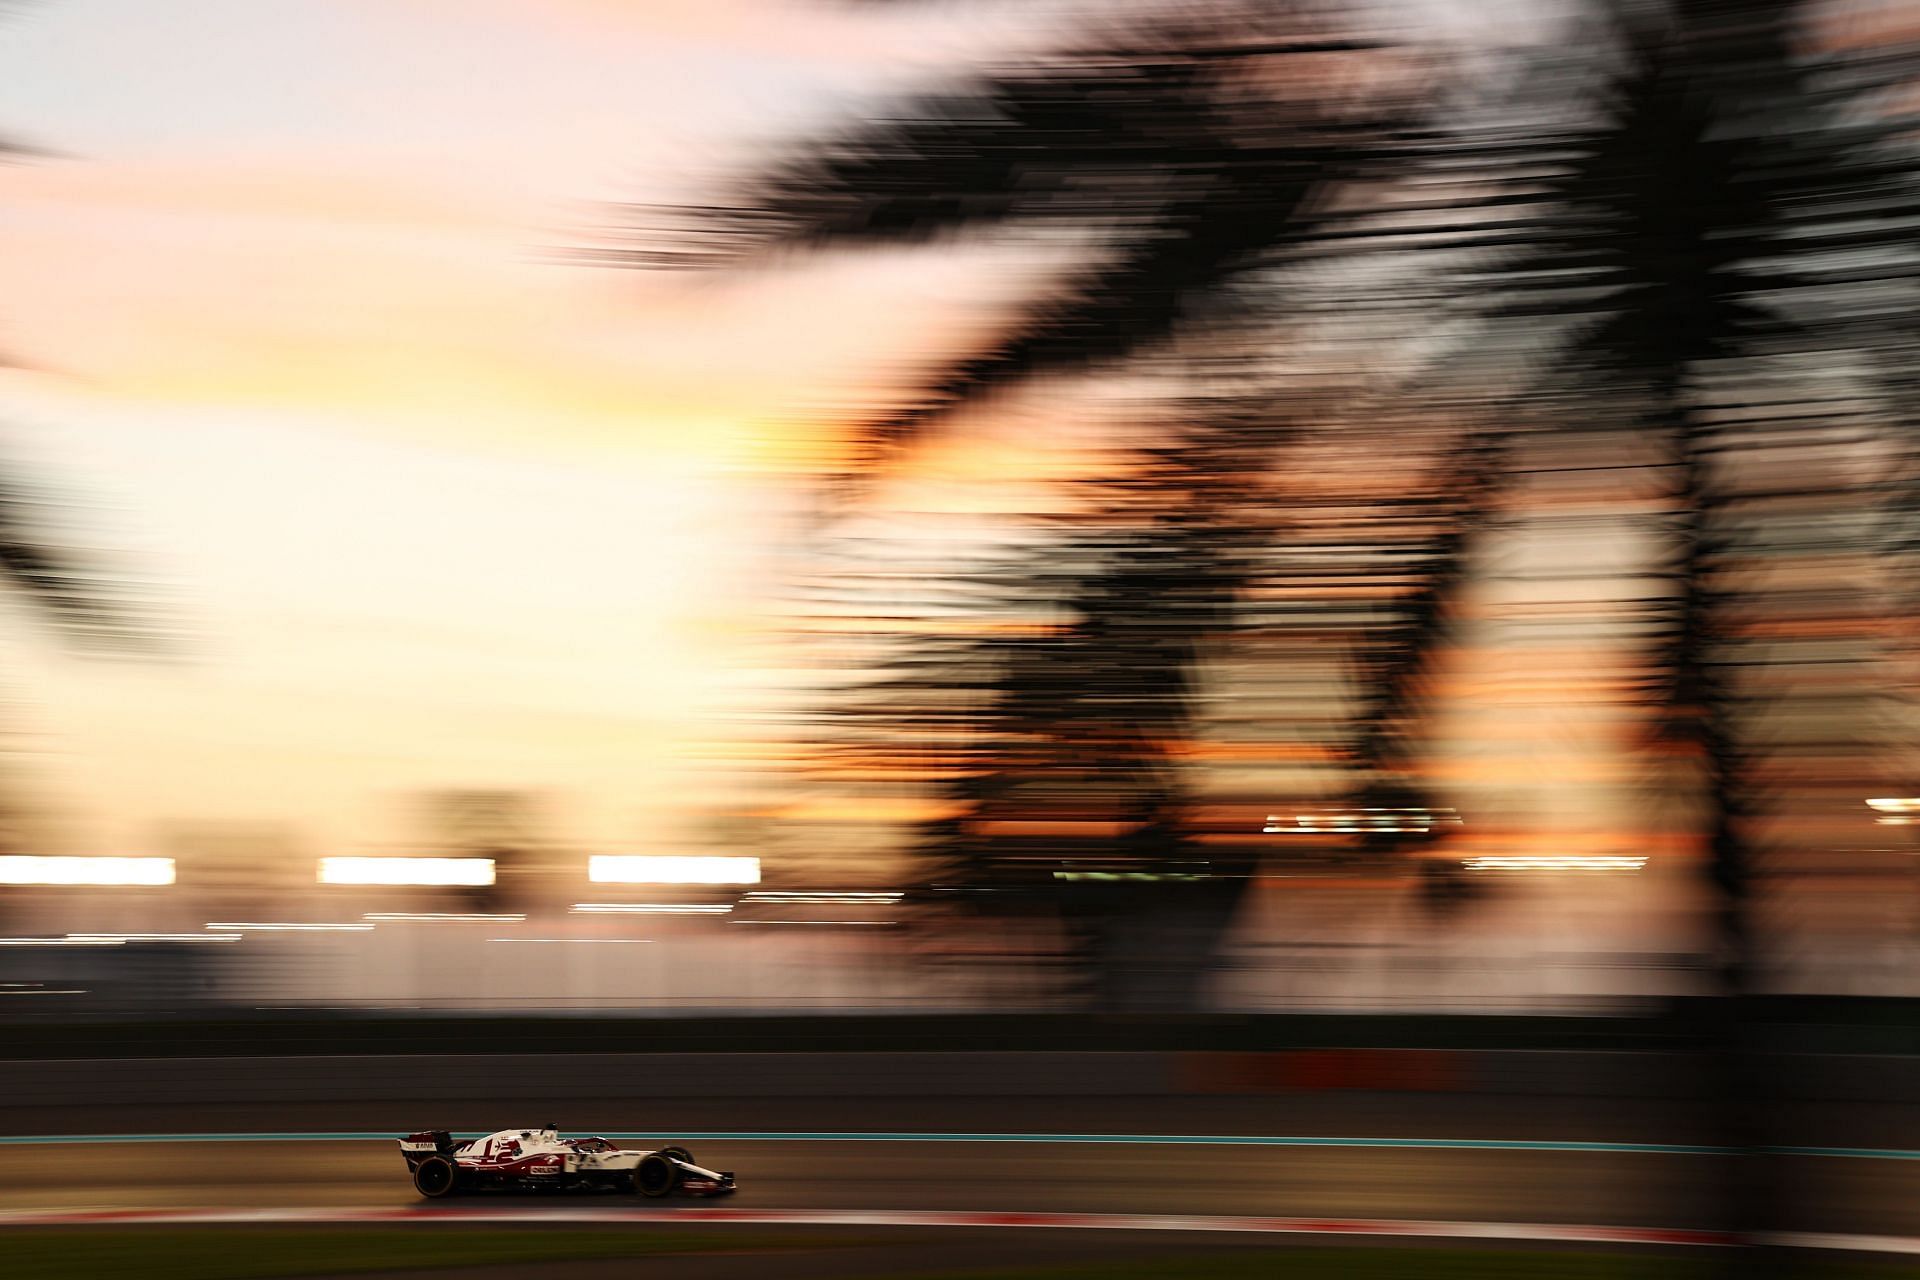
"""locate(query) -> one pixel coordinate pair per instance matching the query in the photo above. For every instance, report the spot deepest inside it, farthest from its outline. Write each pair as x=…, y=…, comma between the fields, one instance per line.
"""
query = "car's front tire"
x=681, y=1154
x=656, y=1176
x=436, y=1177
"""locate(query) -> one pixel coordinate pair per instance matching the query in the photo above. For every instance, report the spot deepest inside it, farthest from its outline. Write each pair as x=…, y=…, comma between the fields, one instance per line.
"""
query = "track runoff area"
x=505, y=1212
x=1378, y=1228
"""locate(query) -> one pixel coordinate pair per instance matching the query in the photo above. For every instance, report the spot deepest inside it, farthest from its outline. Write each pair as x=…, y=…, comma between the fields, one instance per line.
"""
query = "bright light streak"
x=805, y=896
x=407, y=871
x=438, y=917
x=290, y=927
x=1895, y=804
x=630, y=868
x=1356, y=821
x=62, y=942
x=152, y=937
x=48, y=991
x=1569, y=862
x=25, y=869
x=650, y=908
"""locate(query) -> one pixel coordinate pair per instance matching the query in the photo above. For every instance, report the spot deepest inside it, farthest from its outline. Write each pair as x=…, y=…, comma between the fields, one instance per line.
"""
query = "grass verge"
x=260, y=1253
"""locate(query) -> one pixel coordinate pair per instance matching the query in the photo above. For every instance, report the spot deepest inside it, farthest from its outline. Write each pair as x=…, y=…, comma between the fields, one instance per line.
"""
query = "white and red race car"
x=540, y=1159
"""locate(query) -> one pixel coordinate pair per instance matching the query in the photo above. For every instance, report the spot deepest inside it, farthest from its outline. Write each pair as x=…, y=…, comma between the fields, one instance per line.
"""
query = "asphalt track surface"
x=1659, y=1170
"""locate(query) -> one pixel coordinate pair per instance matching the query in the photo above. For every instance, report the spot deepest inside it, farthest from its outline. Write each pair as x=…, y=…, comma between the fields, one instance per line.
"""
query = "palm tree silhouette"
x=1705, y=248
x=1158, y=148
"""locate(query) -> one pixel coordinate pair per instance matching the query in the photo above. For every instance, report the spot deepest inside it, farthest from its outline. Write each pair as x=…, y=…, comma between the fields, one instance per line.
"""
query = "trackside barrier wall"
x=158, y=1081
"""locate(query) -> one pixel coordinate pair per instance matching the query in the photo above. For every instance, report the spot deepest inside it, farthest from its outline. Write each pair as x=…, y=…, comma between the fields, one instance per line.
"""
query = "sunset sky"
x=435, y=510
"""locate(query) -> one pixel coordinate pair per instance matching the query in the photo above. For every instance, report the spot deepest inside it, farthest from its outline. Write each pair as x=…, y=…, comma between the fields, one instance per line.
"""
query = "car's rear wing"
x=428, y=1142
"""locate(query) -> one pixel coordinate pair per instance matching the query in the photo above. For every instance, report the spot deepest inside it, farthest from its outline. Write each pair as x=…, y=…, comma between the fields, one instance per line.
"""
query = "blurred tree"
x=1183, y=152
x=1703, y=240
x=1648, y=228
x=94, y=610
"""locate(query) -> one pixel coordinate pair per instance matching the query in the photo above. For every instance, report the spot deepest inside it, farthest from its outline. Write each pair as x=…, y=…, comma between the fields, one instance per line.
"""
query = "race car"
x=540, y=1159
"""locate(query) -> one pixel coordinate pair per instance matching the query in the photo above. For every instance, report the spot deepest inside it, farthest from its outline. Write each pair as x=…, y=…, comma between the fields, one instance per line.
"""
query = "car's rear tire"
x=436, y=1177
x=656, y=1175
